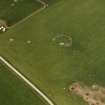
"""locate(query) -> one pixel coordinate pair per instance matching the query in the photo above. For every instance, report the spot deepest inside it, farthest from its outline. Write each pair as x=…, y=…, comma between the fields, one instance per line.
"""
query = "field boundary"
x=32, y=14
x=28, y=82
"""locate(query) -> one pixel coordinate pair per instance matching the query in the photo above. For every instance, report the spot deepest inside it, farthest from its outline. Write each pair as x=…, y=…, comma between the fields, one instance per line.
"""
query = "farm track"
x=13, y=69
x=32, y=14
x=28, y=82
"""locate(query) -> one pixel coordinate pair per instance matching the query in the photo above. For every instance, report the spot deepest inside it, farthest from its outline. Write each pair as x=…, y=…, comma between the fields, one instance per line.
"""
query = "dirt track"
x=35, y=88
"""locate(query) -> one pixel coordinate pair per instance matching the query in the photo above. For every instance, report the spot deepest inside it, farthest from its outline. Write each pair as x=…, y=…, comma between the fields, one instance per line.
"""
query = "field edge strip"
x=35, y=88
x=45, y=5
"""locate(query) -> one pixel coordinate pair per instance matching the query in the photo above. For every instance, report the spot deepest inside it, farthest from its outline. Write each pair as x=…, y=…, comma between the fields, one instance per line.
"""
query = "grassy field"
x=52, y=67
x=12, y=11
x=13, y=91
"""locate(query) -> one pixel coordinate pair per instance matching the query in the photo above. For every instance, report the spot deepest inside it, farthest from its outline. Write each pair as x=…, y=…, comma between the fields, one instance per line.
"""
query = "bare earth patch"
x=94, y=95
x=3, y=25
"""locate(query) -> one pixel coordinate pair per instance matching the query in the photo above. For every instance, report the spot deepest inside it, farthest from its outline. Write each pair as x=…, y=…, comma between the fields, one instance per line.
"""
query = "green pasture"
x=13, y=91
x=12, y=11
x=51, y=66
